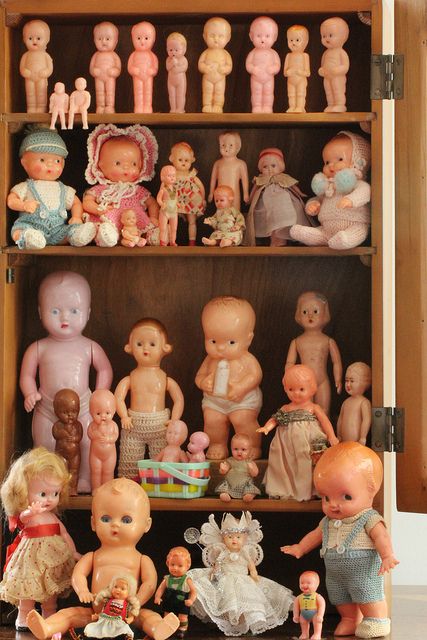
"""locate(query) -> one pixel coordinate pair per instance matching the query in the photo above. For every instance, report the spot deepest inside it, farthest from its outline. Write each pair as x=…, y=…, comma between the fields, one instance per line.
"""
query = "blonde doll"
x=41, y=559
x=120, y=607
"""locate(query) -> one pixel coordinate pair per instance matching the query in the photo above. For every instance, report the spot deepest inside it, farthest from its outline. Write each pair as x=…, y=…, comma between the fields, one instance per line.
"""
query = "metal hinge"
x=10, y=275
x=386, y=77
x=388, y=429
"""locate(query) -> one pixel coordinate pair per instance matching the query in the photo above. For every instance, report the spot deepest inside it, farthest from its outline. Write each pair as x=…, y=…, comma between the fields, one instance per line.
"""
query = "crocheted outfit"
x=176, y=593
x=148, y=429
x=111, y=622
x=189, y=195
x=223, y=221
x=237, y=481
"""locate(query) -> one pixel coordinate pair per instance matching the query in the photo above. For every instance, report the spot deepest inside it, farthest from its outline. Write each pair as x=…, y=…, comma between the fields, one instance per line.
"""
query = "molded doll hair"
x=270, y=21
x=362, y=369
x=104, y=594
x=164, y=169
x=60, y=278
x=318, y=296
x=217, y=20
x=300, y=373
x=300, y=28
x=179, y=551
x=177, y=36
x=119, y=487
x=313, y=574
x=151, y=322
x=65, y=395
x=225, y=189
x=229, y=303
x=240, y=436
x=235, y=134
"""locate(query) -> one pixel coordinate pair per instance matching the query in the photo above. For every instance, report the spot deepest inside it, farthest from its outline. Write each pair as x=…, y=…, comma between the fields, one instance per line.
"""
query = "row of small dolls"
x=215, y=64
x=117, y=208
x=43, y=562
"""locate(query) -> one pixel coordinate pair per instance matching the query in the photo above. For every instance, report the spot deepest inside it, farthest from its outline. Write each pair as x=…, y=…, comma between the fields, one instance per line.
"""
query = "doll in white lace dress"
x=230, y=592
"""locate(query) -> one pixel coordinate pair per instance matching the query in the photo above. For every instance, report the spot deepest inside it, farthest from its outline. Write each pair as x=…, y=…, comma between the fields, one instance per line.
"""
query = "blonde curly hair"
x=105, y=594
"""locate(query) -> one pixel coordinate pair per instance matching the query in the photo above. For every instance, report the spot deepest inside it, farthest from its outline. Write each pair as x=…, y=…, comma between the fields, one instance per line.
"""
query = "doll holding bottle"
x=105, y=66
x=176, y=66
x=238, y=471
x=215, y=64
x=228, y=223
x=230, y=170
x=263, y=63
x=355, y=416
x=120, y=607
x=68, y=433
x=176, y=592
x=297, y=68
x=103, y=434
x=36, y=65
x=143, y=66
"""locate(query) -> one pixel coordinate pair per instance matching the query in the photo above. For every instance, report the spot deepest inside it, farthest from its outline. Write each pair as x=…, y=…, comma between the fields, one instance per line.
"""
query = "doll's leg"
x=164, y=231
x=350, y=618
x=375, y=621
x=30, y=94
x=291, y=96
x=181, y=92
x=110, y=95
x=301, y=96
x=323, y=395
x=216, y=425
x=60, y=621
x=71, y=114
x=256, y=95
x=24, y=607
x=209, y=242
x=305, y=628
x=338, y=84
x=183, y=625
x=173, y=226
x=192, y=228
x=245, y=421
x=328, y=93
x=41, y=95
x=317, y=629
x=349, y=238
x=95, y=472
x=100, y=95
x=207, y=95
x=84, y=471
x=157, y=627
x=49, y=607
x=219, y=96
x=267, y=96
x=148, y=95
x=137, y=95
x=311, y=236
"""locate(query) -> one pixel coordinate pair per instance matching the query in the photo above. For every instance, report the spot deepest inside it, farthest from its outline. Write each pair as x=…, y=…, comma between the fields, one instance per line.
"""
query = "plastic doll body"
x=119, y=609
x=58, y=105
x=63, y=360
x=103, y=434
x=105, y=66
x=229, y=375
x=199, y=441
x=309, y=606
x=215, y=64
x=297, y=68
x=230, y=170
x=143, y=66
x=80, y=100
x=263, y=63
x=130, y=234
x=68, y=432
x=176, y=435
x=176, y=66
x=335, y=63
x=228, y=222
x=120, y=517
x=36, y=65
x=239, y=471
x=355, y=416
x=358, y=550
x=168, y=202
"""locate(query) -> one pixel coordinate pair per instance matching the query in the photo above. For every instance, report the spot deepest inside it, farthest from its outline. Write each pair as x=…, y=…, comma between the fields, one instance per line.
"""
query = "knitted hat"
x=271, y=151
x=361, y=157
x=43, y=141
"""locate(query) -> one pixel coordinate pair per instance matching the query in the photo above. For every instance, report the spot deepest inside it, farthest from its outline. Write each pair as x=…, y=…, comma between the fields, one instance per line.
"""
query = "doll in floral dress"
x=189, y=188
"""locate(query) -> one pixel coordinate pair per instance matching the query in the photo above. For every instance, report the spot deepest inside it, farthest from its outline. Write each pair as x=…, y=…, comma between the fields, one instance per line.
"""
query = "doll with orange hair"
x=176, y=592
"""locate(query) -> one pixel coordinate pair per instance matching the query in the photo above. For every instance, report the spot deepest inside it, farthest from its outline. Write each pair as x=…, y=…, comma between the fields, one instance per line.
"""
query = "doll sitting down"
x=228, y=222
x=120, y=606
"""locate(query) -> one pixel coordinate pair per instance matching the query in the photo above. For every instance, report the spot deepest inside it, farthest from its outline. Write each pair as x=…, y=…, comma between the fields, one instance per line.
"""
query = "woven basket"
x=174, y=479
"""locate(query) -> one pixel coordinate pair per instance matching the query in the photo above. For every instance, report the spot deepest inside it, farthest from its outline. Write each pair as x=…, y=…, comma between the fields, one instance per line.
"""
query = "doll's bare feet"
x=225, y=242
x=38, y=626
x=248, y=497
x=346, y=627
x=166, y=627
x=225, y=497
x=217, y=452
x=209, y=242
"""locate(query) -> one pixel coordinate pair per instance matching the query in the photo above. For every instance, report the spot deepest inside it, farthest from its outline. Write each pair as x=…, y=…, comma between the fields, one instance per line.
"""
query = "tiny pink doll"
x=58, y=105
x=176, y=434
x=143, y=66
x=199, y=441
x=119, y=159
x=263, y=63
x=342, y=195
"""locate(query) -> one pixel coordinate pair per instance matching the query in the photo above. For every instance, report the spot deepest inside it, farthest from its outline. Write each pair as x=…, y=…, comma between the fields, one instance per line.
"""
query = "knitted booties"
x=82, y=234
x=32, y=239
x=373, y=628
x=310, y=236
x=349, y=238
x=107, y=235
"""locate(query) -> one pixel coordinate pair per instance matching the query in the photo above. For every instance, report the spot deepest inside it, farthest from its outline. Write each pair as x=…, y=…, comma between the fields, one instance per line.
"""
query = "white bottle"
x=222, y=374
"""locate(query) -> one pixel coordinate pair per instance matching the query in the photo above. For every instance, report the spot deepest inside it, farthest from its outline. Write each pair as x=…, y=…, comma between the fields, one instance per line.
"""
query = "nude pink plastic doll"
x=176, y=66
x=228, y=223
x=120, y=607
x=63, y=360
x=129, y=232
x=143, y=66
x=118, y=160
x=263, y=63
x=105, y=66
x=176, y=435
x=356, y=546
x=239, y=471
x=229, y=375
x=80, y=100
x=68, y=433
x=189, y=188
x=215, y=64
x=300, y=423
x=168, y=202
x=103, y=434
x=229, y=169
x=314, y=348
x=198, y=442
x=355, y=416
x=342, y=195
x=297, y=68
x=58, y=105
x=145, y=422
x=309, y=606
x=40, y=561
x=120, y=517
x=335, y=63
x=36, y=65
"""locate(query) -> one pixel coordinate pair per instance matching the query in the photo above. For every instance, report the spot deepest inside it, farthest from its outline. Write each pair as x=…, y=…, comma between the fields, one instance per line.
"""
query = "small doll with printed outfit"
x=228, y=223
x=309, y=606
x=120, y=607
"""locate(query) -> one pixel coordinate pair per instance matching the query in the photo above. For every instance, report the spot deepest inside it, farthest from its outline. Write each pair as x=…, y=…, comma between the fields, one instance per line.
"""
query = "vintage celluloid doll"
x=58, y=105
x=263, y=63
x=176, y=435
x=230, y=592
x=297, y=68
x=80, y=100
x=130, y=234
x=355, y=416
x=145, y=422
x=120, y=517
x=103, y=434
x=168, y=202
x=239, y=471
x=143, y=66
x=229, y=169
x=63, y=360
x=120, y=607
x=229, y=375
x=176, y=591
x=309, y=606
x=118, y=160
x=215, y=64
x=342, y=195
x=68, y=433
x=36, y=65
x=335, y=63
x=105, y=66
x=176, y=66
x=298, y=424
x=314, y=348
x=40, y=560
x=228, y=223
x=356, y=546
x=198, y=442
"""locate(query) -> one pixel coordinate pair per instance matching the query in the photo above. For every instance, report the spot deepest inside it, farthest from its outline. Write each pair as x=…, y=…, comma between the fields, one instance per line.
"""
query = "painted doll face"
x=344, y=492
x=42, y=166
x=333, y=33
x=46, y=490
x=143, y=36
x=120, y=160
x=263, y=33
x=182, y=158
x=36, y=35
x=337, y=155
x=297, y=40
x=178, y=565
x=105, y=37
x=216, y=34
x=120, y=589
x=147, y=345
x=228, y=333
x=270, y=165
x=64, y=310
x=175, y=47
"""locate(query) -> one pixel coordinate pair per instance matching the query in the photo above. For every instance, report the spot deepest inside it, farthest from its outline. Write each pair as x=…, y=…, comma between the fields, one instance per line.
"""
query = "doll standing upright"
x=36, y=65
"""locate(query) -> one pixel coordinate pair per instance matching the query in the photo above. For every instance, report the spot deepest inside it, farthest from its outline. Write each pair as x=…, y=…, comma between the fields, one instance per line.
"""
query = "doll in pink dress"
x=143, y=66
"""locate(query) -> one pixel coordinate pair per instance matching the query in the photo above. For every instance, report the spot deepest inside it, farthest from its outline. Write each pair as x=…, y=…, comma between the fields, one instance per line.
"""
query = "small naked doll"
x=58, y=105
x=79, y=103
x=176, y=435
x=228, y=222
x=335, y=63
x=130, y=233
x=143, y=66
x=168, y=202
x=229, y=169
x=198, y=442
x=105, y=66
x=263, y=63
x=297, y=68
x=68, y=432
x=103, y=434
x=36, y=65
x=239, y=471
x=176, y=66
x=355, y=416
x=215, y=64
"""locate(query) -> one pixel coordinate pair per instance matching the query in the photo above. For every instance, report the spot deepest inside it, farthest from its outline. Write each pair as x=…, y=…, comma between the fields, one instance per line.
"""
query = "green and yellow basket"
x=174, y=479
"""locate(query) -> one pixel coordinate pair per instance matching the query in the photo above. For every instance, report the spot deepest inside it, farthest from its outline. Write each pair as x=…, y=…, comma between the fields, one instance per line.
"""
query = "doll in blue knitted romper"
x=356, y=546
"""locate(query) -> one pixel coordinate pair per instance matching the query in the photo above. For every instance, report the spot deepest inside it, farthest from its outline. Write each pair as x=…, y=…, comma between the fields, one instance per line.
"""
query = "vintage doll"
x=58, y=105
x=356, y=546
x=103, y=434
x=120, y=607
x=145, y=422
x=189, y=188
x=118, y=160
x=313, y=347
x=40, y=561
x=263, y=63
x=198, y=442
x=335, y=63
x=36, y=65
x=299, y=424
x=355, y=416
x=120, y=517
x=168, y=202
x=228, y=222
x=342, y=195
x=297, y=68
x=176, y=66
x=143, y=66
x=68, y=433
x=176, y=435
x=309, y=606
x=229, y=169
x=42, y=200
x=229, y=375
x=105, y=66
x=230, y=592
x=215, y=64
x=63, y=360
x=275, y=201
x=131, y=236
x=80, y=100
x=176, y=591
x=238, y=470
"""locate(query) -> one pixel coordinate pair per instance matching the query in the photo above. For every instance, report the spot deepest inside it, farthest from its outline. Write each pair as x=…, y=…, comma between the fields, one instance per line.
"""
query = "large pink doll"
x=143, y=66
x=105, y=66
x=119, y=159
x=63, y=360
x=335, y=63
x=263, y=63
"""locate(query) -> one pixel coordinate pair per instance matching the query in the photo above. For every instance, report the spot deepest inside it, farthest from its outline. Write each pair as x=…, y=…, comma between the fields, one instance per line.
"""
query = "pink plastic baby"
x=228, y=223
x=309, y=606
x=198, y=442
x=103, y=433
x=297, y=68
x=130, y=234
x=79, y=103
x=335, y=63
x=105, y=66
x=355, y=416
x=168, y=202
x=63, y=360
x=143, y=66
x=176, y=435
x=263, y=63
x=239, y=471
x=58, y=105
x=176, y=66
x=229, y=169
x=215, y=64
x=36, y=65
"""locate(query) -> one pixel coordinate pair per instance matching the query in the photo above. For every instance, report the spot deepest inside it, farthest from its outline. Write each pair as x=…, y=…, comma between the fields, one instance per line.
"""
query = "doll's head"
x=240, y=446
x=128, y=218
x=334, y=33
x=80, y=84
x=312, y=310
x=168, y=175
x=216, y=33
x=42, y=153
x=347, y=477
x=176, y=432
x=358, y=378
x=59, y=88
x=309, y=581
x=223, y=196
x=66, y=405
x=230, y=144
x=148, y=342
x=121, y=587
x=263, y=32
x=234, y=532
x=105, y=36
x=36, y=35
x=102, y=406
x=64, y=304
x=143, y=36
x=178, y=561
x=182, y=156
x=346, y=150
x=228, y=324
x=297, y=36
x=299, y=382
x=199, y=441
x=176, y=45
x=271, y=162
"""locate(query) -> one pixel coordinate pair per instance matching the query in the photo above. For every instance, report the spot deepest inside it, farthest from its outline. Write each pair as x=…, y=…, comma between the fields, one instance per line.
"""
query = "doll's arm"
x=344, y=65
x=183, y=457
x=177, y=399
x=153, y=67
x=296, y=610
x=336, y=364
x=68, y=539
x=269, y=426
x=79, y=578
x=321, y=607
x=227, y=65
x=27, y=378
x=76, y=211
x=306, y=71
x=161, y=196
x=153, y=210
x=48, y=68
x=325, y=424
x=292, y=355
x=253, y=469
x=90, y=205
x=23, y=69
x=192, y=593
x=245, y=180
x=309, y=542
x=382, y=541
x=102, y=366
x=253, y=377
x=16, y=203
x=116, y=66
x=340, y=423
x=365, y=424
x=224, y=467
x=214, y=178
x=205, y=380
x=120, y=393
x=160, y=591
x=252, y=571
x=148, y=580
x=360, y=196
